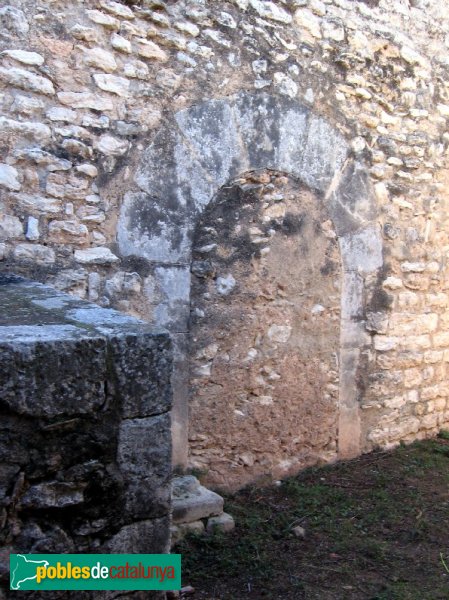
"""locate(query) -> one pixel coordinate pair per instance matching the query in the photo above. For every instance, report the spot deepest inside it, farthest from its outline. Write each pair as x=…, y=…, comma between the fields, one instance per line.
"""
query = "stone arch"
x=185, y=165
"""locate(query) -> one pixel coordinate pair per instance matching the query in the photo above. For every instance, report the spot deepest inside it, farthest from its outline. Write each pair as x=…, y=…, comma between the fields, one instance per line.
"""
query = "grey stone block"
x=193, y=502
x=70, y=374
x=140, y=371
x=143, y=537
x=144, y=458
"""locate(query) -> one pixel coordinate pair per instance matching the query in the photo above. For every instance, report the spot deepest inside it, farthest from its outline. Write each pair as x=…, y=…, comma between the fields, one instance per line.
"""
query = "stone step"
x=192, y=501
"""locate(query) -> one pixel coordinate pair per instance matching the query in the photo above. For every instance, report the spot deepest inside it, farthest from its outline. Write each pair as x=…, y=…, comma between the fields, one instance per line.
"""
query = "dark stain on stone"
x=293, y=224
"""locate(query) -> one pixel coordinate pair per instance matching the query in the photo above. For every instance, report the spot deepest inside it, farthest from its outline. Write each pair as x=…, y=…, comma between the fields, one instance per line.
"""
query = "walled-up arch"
x=206, y=147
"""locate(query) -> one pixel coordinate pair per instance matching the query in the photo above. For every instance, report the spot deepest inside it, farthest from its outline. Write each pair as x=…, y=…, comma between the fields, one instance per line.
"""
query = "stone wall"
x=85, y=443
x=121, y=122
x=264, y=349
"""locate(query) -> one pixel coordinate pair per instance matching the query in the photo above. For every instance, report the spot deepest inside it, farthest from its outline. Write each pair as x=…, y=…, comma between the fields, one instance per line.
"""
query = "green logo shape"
x=95, y=572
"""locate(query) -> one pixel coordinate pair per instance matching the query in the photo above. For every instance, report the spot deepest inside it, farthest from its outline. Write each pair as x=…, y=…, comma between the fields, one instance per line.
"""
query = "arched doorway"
x=197, y=152
x=264, y=332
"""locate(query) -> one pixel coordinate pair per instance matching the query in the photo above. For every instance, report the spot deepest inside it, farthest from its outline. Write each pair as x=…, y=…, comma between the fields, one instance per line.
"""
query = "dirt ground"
x=375, y=528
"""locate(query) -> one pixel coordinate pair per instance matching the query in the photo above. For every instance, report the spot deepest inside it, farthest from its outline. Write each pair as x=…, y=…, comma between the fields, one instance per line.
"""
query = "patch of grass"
x=376, y=529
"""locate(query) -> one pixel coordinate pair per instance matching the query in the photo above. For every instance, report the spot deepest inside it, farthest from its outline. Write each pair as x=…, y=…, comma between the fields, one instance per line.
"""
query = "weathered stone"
x=27, y=58
x=148, y=49
x=333, y=29
x=111, y=146
x=142, y=397
x=35, y=131
x=86, y=34
x=32, y=231
x=54, y=494
x=87, y=169
x=187, y=27
x=270, y=10
x=61, y=431
x=117, y=9
x=13, y=21
x=58, y=113
x=41, y=157
x=85, y=100
x=40, y=255
x=27, y=80
x=143, y=454
x=120, y=43
x=101, y=59
x=285, y=84
x=305, y=19
x=113, y=84
x=26, y=105
x=39, y=204
x=61, y=231
x=223, y=523
x=96, y=256
x=136, y=70
x=225, y=285
x=194, y=504
x=178, y=532
x=10, y=227
x=9, y=178
x=103, y=19
x=144, y=537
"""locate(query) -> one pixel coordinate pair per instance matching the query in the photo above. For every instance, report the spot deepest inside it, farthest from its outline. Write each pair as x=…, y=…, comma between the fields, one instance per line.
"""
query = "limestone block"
x=333, y=29
x=193, y=504
x=324, y=154
x=36, y=131
x=120, y=43
x=362, y=251
x=32, y=231
x=383, y=343
x=24, y=57
x=65, y=231
x=41, y=255
x=111, y=146
x=285, y=84
x=96, y=256
x=10, y=227
x=305, y=19
x=101, y=18
x=57, y=113
x=85, y=100
x=441, y=340
x=405, y=427
x=39, y=204
x=9, y=178
x=140, y=396
x=116, y=8
x=27, y=80
x=144, y=454
x=148, y=49
x=113, y=84
x=102, y=59
x=87, y=34
x=41, y=157
x=26, y=105
x=270, y=10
